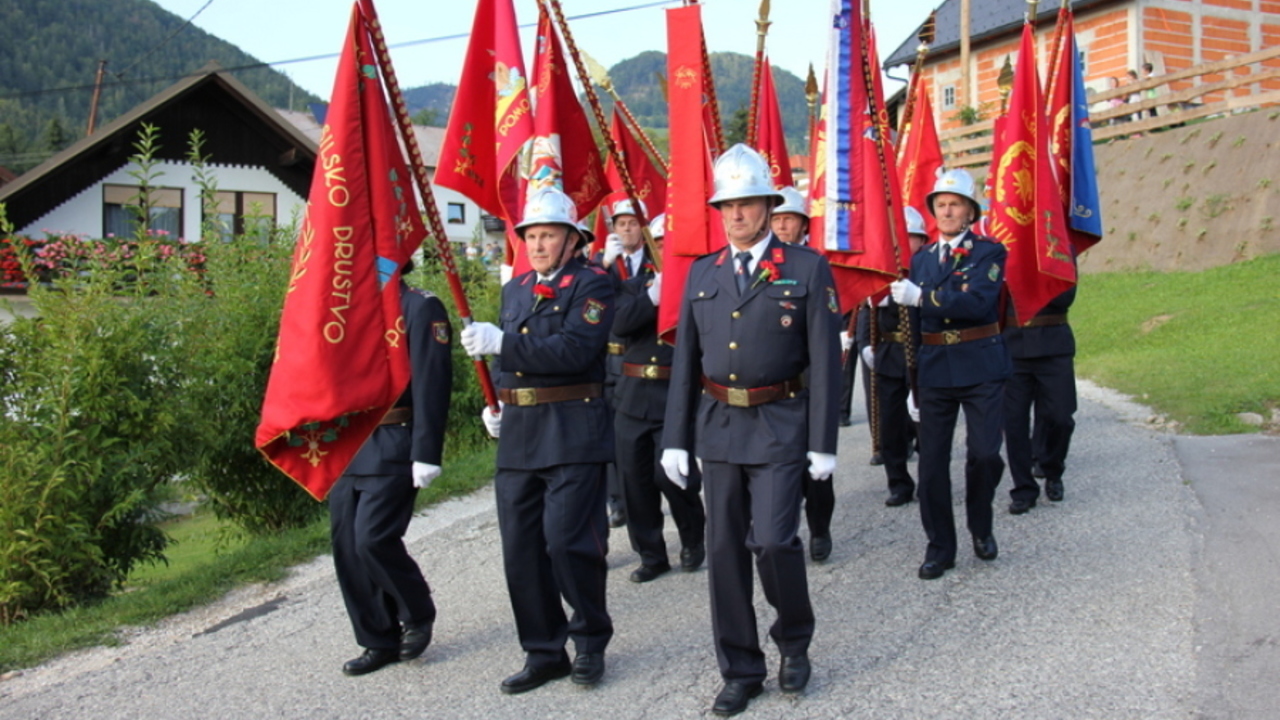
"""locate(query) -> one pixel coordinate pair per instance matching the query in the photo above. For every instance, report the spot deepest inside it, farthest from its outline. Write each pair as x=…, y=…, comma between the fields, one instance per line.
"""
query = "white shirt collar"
x=757, y=250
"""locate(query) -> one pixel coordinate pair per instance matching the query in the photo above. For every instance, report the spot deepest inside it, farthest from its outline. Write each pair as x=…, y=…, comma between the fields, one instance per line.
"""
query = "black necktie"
x=945, y=255
x=744, y=270
x=631, y=267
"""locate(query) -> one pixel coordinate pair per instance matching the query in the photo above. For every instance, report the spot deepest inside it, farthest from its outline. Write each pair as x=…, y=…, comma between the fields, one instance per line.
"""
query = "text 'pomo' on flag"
x=1026, y=212
x=341, y=362
x=492, y=116
x=691, y=231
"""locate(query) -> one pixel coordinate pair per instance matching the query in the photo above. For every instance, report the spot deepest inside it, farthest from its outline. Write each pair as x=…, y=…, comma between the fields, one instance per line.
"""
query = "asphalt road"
x=1144, y=594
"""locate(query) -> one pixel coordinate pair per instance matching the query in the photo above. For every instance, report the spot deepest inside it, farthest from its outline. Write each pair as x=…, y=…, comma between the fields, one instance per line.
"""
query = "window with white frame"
x=949, y=97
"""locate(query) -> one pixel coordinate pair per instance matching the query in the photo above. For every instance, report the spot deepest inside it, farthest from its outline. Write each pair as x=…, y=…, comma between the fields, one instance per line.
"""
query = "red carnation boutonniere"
x=958, y=255
x=542, y=292
x=768, y=273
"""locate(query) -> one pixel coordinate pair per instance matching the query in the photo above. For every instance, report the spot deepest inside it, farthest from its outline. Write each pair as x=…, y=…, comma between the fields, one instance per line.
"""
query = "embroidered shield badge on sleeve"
x=593, y=312
x=832, y=303
x=440, y=331
x=994, y=273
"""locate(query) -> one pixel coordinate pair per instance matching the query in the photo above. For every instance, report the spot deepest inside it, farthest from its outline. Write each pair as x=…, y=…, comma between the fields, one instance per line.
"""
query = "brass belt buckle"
x=950, y=337
x=650, y=372
x=739, y=397
x=526, y=397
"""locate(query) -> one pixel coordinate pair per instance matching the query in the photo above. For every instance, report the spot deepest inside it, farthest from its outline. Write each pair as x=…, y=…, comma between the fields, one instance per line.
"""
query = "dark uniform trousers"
x=892, y=386
x=1044, y=379
x=754, y=458
x=961, y=295
x=640, y=404
x=372, y=503
x=550, y=482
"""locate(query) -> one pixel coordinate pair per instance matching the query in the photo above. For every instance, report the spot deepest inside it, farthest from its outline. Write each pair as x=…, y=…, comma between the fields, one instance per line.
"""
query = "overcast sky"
x=275, y=31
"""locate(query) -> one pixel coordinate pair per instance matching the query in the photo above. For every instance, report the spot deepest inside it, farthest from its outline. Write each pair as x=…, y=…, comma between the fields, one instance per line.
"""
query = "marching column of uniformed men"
x=882, y=342
x=555, y=435
x=387, y=599
x=955, y=289
x=790, y=223
x=753, y=399
x=640, y=402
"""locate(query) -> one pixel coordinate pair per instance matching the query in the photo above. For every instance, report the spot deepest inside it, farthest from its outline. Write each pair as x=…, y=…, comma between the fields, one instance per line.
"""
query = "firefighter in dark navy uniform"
x=885, y=357
x=640, y=402
x=754, y=388
x=956, y=284
x=555, y=435
x=1044, y=377
x=370, y=507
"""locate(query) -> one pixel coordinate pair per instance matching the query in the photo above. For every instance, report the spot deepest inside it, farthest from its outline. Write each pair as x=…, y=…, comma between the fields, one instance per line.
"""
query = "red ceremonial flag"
x=1027, y=213
x=649, y=181
x=771, y=139
x=921, y=157
x=340, y=359
x=858, y=199
x=693, y=229
x=1071, y=142
x=564, y=150
x=491, y=118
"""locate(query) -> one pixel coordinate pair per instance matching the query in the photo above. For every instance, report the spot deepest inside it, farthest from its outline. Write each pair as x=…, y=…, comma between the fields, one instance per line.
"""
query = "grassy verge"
x=1198, y=347
x=207, y=560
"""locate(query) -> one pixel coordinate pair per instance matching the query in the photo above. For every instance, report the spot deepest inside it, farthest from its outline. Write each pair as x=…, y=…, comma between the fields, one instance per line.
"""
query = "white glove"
x=912, y=409
x=655, y=289
x=424, y=473
x=482, y=339
x=821, y=465
x=492, y=420
x=869, y=357
x=612, y=249
x=675, y=463
x=846, y=340
x=906, y=293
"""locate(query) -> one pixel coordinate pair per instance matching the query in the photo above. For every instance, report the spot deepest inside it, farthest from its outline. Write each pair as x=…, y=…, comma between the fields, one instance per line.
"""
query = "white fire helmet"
x=793, y=202
x=658, y=227
x=742, y=173
x=548, y=206
x=915, y=221
x=624, y=207
x=957, y=182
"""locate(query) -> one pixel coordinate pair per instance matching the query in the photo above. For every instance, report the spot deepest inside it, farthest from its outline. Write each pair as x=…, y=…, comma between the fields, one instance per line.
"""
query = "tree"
x=55, y=136
x=736, y=131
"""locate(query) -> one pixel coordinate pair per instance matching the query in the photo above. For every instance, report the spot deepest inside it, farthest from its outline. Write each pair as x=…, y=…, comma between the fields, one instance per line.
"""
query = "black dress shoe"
x=692, y=557
x=588, y=668
x=793, y=675
x=985, y=548
x=934, y=569
x=534, y=677
x=1018, y=507
x=1053, y=490
x=876, y=459
x=415, y=641
x=645, y=573
x=734, y=697
x=820, y=547
x=372, y=659
x=898, y=499
x=617, y=517
x=1036, y=470
x=846, y=422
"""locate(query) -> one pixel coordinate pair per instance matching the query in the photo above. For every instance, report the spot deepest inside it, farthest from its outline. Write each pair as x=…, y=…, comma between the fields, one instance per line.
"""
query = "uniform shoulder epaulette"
x=803, y=246
x=424, y=293
x=597, y=270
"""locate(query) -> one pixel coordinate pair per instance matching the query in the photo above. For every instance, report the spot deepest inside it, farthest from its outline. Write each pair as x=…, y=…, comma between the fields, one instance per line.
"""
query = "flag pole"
x=628, y=185
x=926, y=36
x=753, y=111
x=600, y=76
x=435, y=226
x=1054, y=52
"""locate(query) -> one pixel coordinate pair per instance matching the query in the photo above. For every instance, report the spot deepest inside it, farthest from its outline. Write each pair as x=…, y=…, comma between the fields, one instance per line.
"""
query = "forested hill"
x=49, y=53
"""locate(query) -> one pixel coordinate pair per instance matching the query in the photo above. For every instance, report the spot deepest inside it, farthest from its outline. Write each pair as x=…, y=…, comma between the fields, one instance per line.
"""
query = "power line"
x=163, y=42
x=312, y=58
